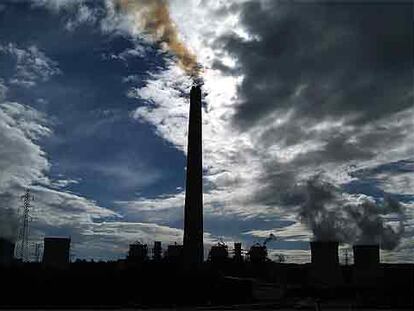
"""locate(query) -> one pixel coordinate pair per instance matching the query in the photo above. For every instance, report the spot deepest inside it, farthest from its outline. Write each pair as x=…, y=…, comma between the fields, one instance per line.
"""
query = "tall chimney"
x=193, y=211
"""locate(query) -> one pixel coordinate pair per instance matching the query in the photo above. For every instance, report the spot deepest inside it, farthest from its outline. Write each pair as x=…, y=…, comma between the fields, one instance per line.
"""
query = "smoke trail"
x=152, y=17
x=331, y=217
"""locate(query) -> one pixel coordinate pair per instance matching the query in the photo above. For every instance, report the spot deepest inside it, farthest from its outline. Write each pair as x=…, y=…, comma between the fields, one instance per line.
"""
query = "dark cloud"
x=339, y=74
x=338, y=59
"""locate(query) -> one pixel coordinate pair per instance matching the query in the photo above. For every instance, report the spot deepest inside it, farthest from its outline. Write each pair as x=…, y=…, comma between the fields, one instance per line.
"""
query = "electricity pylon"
x=23, y=249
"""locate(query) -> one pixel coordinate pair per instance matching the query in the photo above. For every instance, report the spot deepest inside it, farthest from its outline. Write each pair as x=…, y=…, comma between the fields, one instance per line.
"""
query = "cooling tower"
x=367, y=272
x=366, y=256
x=324, y=253
x=324, y=269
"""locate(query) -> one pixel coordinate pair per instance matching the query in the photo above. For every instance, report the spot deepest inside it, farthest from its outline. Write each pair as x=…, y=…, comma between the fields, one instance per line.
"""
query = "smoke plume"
x=331, y=216
x=152, y=18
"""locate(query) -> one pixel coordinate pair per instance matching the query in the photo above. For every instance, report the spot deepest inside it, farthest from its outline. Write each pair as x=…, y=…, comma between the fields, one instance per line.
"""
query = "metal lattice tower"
x=23, y=249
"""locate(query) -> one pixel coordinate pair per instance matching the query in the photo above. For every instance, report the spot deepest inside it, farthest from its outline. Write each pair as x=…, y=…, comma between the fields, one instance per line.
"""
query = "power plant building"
x=157, y=251
x=238, y=251
x=257, y=253
x=138, y=252
x=193, y=210
x=56, y=252
x=218, y=253
x=174, y=253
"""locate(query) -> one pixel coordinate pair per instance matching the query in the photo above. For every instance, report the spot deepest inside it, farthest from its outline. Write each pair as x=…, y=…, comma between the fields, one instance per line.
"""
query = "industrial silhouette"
x=193, y=210
x=175, y=276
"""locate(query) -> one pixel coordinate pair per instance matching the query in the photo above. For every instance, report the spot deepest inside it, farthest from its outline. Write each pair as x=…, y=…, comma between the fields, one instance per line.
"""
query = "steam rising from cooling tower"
x=152, y=18
x=330, y=216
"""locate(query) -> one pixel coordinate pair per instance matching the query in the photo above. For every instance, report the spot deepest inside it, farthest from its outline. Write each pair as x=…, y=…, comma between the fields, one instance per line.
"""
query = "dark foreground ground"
x=220, y=286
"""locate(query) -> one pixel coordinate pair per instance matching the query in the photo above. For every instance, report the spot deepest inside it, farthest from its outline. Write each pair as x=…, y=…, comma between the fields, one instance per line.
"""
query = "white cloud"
x=56, y=5
x=138, y=51
x=293, y=232
x=24, y=163
x=291, y=255
x=32, y=65
x=21, y=159
x=84, y=15
x=3, y=90
x=62, y=183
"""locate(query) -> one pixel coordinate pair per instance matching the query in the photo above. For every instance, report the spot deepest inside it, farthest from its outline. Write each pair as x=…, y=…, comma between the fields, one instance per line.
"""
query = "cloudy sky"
x=308, y=121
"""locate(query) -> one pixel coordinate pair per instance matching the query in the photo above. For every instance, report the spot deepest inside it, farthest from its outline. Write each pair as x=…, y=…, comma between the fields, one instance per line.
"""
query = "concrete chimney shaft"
x=193, y=210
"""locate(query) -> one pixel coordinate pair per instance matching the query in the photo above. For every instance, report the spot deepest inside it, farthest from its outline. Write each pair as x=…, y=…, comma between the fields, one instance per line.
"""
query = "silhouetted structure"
x=238, y=252
x=218, y=253
x=138, y=252
x=6, y=252
x=193, y=211
x=220, y=283
x=56, y=252
x=257, y=253
x=174, y=253
x=157, y=251
x=324, y=253
x=367, y=271
x=325, y=269
x=366, y=256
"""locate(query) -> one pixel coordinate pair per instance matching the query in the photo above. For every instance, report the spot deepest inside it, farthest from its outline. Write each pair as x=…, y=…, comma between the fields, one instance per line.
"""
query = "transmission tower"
x=23, y=249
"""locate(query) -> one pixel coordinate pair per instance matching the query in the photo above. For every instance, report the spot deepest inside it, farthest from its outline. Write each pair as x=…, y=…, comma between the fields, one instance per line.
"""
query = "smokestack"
x=193, y=211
